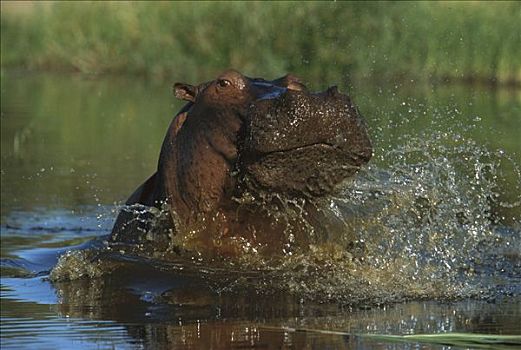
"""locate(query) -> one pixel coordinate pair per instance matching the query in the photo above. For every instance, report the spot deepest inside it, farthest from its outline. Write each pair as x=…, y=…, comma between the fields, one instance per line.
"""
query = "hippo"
x=238, y=157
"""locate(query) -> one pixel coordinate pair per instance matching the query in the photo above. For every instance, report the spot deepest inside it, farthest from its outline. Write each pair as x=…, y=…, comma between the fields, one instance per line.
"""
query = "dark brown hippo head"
x=239, y=136
x=303, y=144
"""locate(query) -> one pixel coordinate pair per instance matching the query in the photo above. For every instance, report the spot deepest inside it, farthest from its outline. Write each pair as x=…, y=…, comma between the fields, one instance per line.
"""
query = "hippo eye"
x=224, y=83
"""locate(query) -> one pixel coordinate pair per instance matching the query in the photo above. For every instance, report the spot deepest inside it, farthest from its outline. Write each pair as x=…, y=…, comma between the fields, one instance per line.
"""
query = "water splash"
x=425, y=220
x=423, y=228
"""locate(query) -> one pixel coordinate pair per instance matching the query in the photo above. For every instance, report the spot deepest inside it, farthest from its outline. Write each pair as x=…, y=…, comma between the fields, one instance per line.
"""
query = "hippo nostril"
x=333, y=91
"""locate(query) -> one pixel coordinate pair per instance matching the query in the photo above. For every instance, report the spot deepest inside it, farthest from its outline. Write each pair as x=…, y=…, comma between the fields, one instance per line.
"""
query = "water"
x=432, y=227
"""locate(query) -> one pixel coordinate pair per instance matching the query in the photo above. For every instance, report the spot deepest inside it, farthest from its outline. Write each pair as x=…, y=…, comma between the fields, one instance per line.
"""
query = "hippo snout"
x=304, y=142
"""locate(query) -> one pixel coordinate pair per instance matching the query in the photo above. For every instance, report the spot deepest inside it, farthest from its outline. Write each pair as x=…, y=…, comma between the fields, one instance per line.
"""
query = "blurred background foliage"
x=56, y=129
x=322, y=41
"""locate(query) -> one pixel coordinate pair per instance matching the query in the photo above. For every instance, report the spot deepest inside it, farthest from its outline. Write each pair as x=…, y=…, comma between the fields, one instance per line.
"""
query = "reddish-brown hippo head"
x=240, y=135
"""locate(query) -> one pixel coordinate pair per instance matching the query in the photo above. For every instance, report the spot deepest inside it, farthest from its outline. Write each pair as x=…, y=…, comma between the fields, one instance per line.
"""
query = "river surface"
x=435, y=222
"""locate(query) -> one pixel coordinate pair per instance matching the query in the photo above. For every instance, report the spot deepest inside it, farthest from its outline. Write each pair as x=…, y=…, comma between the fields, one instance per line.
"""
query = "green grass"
x=322, y=41
x=460, y=340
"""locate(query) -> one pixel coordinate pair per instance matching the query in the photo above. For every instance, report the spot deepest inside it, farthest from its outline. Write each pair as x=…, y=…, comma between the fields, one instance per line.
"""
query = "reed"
x=468, y=41
x=460, y=340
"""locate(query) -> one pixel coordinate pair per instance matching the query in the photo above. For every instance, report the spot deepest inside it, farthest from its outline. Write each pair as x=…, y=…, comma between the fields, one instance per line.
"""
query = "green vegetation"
x=463, y=340
x=470, y=41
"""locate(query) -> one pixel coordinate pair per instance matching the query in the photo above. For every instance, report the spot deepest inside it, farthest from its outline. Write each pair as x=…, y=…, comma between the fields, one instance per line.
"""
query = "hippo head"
x=276, y=136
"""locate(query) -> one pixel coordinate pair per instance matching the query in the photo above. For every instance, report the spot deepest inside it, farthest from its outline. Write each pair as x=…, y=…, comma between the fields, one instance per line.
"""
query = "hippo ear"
x=291, y=82
x=185, y=92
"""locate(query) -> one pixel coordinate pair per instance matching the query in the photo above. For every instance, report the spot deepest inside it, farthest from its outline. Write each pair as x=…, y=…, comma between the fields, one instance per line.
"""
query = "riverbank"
x=476, y=42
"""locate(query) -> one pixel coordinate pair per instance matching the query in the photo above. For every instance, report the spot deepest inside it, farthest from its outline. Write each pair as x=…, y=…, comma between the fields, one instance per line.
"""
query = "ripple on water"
x=63, y=332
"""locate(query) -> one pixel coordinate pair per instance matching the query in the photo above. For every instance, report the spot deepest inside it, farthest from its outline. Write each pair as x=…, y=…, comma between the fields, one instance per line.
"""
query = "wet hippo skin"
x=234, y=159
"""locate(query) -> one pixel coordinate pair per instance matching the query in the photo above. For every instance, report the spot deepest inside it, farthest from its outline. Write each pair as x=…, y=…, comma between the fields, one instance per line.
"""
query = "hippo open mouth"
x=303, y=143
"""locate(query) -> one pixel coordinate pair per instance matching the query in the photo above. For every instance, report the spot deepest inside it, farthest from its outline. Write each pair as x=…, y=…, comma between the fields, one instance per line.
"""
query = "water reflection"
x=143, y=305
x=117, y=312
x=68, y=141
x=73, y=147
